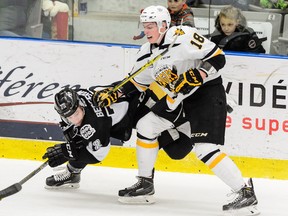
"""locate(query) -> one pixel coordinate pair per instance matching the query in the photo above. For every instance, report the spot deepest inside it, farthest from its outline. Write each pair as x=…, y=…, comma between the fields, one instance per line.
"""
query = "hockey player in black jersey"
x=88, y=128
x=186, y=81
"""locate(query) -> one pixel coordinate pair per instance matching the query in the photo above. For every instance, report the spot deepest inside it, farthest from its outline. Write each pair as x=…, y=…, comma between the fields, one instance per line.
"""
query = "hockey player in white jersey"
x=186, y=78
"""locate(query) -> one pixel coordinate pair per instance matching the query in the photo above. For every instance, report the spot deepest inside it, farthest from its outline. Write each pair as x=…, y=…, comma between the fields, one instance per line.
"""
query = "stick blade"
x=10, y=190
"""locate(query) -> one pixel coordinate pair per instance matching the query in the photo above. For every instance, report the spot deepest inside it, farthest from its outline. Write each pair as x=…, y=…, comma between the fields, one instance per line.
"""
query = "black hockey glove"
x=103, y=98
x=166, y=76
x=187, y=81
x=60, y=153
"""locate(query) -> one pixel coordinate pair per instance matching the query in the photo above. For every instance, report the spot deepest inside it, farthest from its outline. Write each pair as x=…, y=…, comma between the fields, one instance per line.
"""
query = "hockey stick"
x=141, y=69
x=18, y=186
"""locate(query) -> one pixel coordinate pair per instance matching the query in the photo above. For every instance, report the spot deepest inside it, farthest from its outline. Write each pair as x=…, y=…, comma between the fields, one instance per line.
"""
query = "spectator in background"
x=178, y=10
x=232, y=33
x=55, y=19
x=13, y=17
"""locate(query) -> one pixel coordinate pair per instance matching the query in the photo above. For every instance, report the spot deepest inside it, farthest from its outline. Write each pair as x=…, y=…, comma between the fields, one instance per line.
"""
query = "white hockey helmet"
x=156, y=14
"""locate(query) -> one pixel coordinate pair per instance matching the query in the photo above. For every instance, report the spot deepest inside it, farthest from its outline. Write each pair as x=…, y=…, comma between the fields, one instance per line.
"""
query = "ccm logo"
x=69, y=150
x=199, y=134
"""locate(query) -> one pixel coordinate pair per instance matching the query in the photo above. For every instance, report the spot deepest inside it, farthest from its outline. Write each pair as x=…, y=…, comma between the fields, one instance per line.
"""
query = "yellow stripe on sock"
x=147, y=145
x=217, y=160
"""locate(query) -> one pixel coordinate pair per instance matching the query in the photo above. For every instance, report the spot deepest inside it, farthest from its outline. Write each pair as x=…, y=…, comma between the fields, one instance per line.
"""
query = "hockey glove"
x=60, y=153
x=166, y=76
x=188, y=81
x=103, y=98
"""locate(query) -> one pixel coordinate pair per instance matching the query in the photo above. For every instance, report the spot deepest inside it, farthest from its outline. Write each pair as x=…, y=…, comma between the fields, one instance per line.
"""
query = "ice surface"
x=176, y=193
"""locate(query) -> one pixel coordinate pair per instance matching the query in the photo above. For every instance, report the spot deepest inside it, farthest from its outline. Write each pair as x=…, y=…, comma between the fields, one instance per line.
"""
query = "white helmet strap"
x=162, y=33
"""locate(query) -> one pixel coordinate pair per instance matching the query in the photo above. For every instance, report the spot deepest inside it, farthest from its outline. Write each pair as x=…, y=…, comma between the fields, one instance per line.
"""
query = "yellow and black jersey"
x=190, y=50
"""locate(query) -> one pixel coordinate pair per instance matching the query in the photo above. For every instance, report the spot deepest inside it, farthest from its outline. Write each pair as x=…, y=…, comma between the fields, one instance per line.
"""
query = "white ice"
x=176, y=193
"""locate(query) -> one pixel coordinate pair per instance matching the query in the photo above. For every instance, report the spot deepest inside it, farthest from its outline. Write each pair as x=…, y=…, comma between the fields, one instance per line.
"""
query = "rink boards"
x=125, y=157
x=32, y=71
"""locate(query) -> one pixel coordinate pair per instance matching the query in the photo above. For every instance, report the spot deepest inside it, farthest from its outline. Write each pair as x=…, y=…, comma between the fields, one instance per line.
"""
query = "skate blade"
x=247, y=211
x=144, y=200
x=64, y=186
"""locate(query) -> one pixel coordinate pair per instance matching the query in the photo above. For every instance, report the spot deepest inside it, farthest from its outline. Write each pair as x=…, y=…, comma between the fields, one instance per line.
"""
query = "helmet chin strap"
x=160, y=37
x=161, y=34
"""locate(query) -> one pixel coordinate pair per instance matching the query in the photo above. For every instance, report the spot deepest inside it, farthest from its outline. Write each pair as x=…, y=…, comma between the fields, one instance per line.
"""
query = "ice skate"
x=245, y=202
x=139, y=193
x=63, y=180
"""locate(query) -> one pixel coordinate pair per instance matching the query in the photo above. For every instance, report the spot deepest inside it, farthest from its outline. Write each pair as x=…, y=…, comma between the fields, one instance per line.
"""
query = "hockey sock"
x=222, y=166
x=227, y=171
x=146, y=156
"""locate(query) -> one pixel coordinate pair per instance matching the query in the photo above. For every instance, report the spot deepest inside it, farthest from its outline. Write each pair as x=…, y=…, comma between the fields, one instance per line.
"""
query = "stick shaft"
x=33, y=173
x=141, y=69
x=18, y=186
x=130, y=77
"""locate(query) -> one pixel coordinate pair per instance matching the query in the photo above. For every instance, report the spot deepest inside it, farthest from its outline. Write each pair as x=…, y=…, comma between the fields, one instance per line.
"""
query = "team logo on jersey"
x=179, y=32
x=94, y=146
x=87, y=131
x=252, y=43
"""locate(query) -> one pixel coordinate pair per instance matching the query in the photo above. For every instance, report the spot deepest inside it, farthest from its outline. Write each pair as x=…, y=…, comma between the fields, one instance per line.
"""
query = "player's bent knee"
x=145, y=129
x=179, y=148
x=205, y=151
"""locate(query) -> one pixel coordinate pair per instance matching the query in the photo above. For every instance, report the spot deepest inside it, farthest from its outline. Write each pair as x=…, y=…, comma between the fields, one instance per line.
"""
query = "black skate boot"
x=141, y=192
x=64, y=179
x=245, y=201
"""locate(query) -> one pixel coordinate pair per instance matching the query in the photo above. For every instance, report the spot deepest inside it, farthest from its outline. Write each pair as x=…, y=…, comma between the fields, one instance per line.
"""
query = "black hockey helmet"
x=66, y=102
